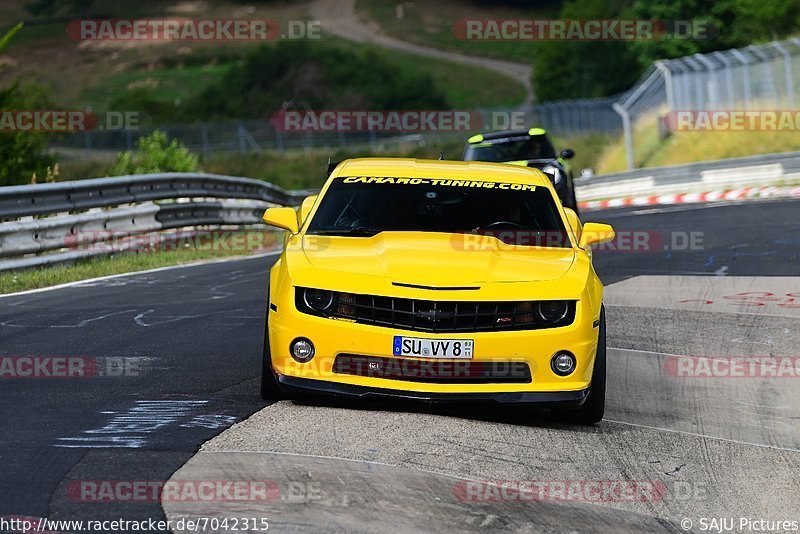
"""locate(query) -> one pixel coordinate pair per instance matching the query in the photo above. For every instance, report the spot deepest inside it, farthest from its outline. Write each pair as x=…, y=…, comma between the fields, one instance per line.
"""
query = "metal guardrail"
x=763, y=170
x=45, y=199
x=58, y=222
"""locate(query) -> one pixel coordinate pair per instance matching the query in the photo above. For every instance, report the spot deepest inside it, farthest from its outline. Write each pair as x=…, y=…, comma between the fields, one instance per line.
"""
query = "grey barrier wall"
x=750, y=171
x=52, y=223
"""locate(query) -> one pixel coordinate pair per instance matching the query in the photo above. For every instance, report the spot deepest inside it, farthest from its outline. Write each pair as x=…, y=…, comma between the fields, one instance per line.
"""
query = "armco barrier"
x=752, y=172
x=43, y=219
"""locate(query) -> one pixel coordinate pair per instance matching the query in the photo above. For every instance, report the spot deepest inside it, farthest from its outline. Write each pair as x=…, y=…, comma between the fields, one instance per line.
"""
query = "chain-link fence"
x=764, y=77
x=561, y=118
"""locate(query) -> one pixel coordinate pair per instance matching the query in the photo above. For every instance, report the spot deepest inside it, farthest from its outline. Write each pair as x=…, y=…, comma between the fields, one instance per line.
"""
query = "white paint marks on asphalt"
x=146, y=318
x=213, y=421
x=61, y=320
x=761, y=295
x=133, y=428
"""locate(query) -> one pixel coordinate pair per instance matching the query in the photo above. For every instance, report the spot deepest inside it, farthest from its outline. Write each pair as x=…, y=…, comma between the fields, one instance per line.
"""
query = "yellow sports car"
x=439, y=281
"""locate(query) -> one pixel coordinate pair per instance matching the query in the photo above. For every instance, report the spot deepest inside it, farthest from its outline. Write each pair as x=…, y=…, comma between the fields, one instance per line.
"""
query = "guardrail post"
x=204, y=137
x=242, y=141
x=787, y=70
x=746, y=66
x=728, y=76
x=667, y=75
x=626, y=127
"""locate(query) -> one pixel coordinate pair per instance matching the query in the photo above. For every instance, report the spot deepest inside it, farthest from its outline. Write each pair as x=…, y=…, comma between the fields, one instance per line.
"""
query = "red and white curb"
x=691, y=198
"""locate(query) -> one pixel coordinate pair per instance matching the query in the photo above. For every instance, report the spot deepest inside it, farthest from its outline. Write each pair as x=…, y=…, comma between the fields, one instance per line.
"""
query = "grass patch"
x=173, y=85
x=690, y=147
x=464, y=86
x=308, y=169
x=587, y=147
x=11, y=282
x=687, y=147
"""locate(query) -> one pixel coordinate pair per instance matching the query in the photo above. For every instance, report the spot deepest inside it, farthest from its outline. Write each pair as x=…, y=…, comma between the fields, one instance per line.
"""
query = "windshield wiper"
x=358, y=231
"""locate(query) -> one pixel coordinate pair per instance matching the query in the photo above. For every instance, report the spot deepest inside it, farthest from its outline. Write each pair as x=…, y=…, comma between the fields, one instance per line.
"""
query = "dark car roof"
x=505, y=133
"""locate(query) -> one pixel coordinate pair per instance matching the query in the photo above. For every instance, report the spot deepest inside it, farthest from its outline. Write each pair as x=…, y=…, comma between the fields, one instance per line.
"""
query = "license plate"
x=432, y=348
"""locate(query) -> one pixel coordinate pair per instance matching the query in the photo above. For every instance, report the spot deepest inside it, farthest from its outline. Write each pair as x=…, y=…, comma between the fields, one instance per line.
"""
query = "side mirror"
x=596, y=233
x=285, y=218
x=567, y=153
x=305, y=208
x=574, y=223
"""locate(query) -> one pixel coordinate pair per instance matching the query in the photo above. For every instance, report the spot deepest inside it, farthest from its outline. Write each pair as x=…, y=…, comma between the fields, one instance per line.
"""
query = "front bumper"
x=332, y=338
x=560, y=399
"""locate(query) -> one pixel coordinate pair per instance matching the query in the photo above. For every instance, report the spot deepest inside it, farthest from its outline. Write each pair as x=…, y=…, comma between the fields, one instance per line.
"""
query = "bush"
x=155, y=153
x=576, y=69
x=315, y=74
x=22, y=153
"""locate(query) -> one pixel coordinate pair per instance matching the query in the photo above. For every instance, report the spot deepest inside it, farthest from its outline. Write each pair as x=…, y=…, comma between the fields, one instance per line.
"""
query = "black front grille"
x=438, y=316
x=434, y=371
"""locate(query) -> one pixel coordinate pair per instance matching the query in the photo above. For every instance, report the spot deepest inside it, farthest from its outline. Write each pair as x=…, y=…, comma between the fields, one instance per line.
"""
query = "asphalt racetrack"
x=175, y=395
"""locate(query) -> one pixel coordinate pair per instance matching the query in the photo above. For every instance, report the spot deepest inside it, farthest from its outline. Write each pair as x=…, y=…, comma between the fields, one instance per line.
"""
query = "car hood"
x=437, y=259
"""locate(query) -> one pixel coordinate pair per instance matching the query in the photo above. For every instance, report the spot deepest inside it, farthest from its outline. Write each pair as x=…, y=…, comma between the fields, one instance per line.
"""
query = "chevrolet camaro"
x=437, y=281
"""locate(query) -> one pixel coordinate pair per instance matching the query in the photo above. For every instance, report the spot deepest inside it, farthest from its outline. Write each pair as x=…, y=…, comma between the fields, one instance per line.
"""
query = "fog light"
x=563, y=363
x=302, y=349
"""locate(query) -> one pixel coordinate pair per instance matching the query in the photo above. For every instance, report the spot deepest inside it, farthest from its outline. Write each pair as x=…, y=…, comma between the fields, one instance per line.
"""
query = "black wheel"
x=594, y=407
x=270, y=389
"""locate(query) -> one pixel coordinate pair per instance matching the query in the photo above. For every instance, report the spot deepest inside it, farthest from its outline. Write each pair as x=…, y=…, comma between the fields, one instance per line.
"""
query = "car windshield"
x=516, y=213
x=511, y=149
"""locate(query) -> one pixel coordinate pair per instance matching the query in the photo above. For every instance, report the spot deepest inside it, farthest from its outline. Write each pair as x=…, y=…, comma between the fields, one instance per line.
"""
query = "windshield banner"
x=439, y=182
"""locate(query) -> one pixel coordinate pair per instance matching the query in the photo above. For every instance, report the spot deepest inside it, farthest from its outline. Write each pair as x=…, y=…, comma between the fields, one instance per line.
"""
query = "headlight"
x=552, y=311
x=553, y=171
x=318, y=299
x=324, y=303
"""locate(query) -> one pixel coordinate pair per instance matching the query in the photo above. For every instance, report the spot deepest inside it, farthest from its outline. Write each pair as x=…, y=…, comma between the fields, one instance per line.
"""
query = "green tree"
x=584, y=69
x=52, y=8
x=762, y=20
x=316, y=74
x=23, y=153
x=155, y=153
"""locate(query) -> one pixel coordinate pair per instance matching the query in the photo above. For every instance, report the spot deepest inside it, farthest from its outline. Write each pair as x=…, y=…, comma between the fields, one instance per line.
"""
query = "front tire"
x=593, y=409
x=270, y=388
